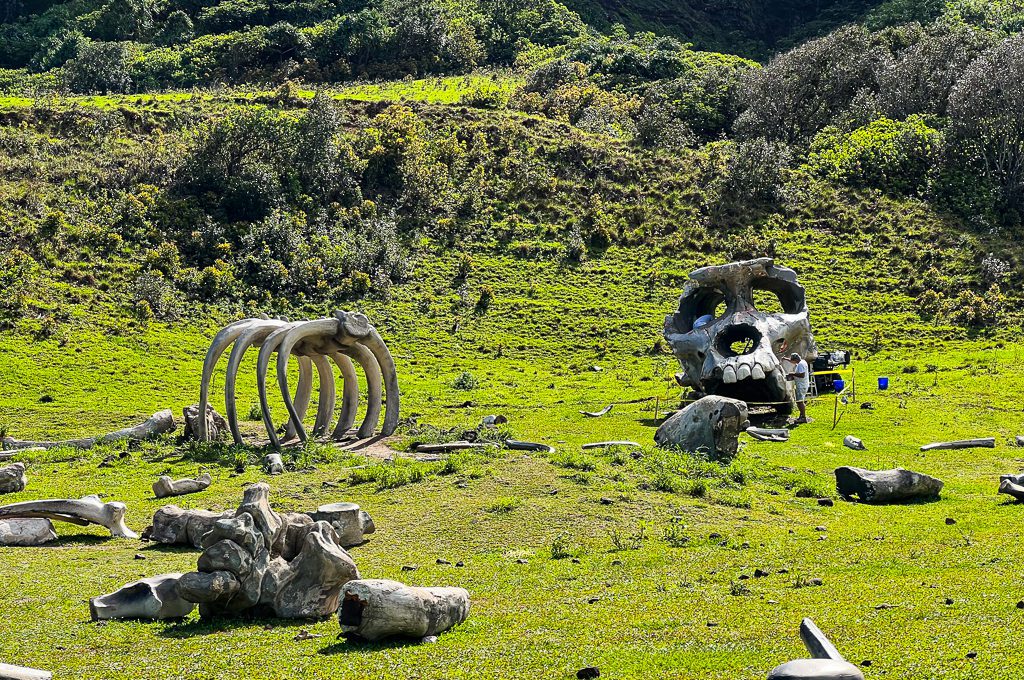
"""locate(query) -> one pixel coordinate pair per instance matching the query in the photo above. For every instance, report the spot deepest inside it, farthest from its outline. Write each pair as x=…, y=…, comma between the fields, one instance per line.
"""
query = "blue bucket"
x=883, y=383
x=838, y=385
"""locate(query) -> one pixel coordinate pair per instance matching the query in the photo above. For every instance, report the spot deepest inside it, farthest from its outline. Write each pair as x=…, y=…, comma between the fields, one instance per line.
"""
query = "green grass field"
x=651, y=596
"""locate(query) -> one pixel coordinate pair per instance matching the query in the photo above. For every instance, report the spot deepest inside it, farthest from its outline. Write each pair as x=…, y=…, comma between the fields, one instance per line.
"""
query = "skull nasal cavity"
x=738, y=339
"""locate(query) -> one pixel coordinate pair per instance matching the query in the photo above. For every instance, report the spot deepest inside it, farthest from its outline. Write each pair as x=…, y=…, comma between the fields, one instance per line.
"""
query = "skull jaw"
x=772, y=389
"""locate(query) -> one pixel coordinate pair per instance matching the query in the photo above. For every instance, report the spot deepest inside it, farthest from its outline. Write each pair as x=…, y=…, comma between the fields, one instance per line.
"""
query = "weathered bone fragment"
x=9, y=672
x=1016, y=479
x=516, y=445
x=273, y=464
x=215, y=423
x=453, y=446
x=157, y=424
x=165, y=487
x=175, y=526
x=13, y=478
x=1019, y=439
x=598, y=414
x=736, y=352
x=711, y=425
x=492, y=420
x=885, y=486
x=85, y=511
x=826, y=663
x=766, y=434
x=983, y=443
x=259, y=560
x=851, y=442
x=26, y=532
x=1012, y=488
x=609, y=444
x=375, y=609
x=348, y=520
x=149, y=598
x=344, y=338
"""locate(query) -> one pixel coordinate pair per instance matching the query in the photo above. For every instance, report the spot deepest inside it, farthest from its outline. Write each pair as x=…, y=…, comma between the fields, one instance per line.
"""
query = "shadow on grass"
x=78, y=540
x=196, y=627
x=359, y=646
x=170, y=548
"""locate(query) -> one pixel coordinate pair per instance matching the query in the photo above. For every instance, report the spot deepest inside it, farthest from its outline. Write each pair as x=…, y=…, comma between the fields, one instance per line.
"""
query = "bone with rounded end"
x=157, y=424
x=374, y=388
x=13, y=478
x=175, y=526
x=26, y=532
x=149, y=598
x=711, y=425
x=308, y=329
x=87, y=510
x=375, y=609
x=273, y=464
x=327, y=397
x=1012, y=488
x=769, y=434
x=885, y=486
x=269, y=346
x=349, y=396
x=851, y=442
x=165, y=487
x=9, y=672
x=984, y=443
x=253, y=335
x=351, y=523
x=826, y=662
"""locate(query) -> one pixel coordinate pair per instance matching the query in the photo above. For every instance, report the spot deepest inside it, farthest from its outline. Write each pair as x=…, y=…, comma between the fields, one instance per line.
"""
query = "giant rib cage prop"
x=345, y=338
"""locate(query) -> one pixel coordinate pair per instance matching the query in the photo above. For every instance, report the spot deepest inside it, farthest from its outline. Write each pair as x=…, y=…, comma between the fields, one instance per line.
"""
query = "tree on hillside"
x=986, y=109
x=101, y=67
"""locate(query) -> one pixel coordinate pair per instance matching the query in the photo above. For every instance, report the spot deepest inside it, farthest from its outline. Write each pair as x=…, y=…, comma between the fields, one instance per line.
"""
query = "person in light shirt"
x=801, y=377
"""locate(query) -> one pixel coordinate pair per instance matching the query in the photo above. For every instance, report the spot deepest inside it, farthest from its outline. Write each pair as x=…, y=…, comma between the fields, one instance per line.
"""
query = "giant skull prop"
x=737, y=353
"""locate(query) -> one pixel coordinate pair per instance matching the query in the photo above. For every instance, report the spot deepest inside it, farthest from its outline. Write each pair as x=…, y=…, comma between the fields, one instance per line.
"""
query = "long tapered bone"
x=86, y=510
x=388, y=371
x=157, y=424
x=9, y=672
x=349, y=395
x=327, y=397
x=984, y=442
x=270, y=344
x=303, y=395
x=254, y=335
x=309, y=329
x=224, y=337
x=371, y=369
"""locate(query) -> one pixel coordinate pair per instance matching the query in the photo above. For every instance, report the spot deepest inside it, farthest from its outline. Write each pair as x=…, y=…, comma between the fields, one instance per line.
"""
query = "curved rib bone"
x=327, y=396
x=254, y=335
x=87, y=510
x=268, y=347
x=224, y=337
x=349, y=397
x=303, y=394
x=371, y=369
x=390, y=374
x=309, y=329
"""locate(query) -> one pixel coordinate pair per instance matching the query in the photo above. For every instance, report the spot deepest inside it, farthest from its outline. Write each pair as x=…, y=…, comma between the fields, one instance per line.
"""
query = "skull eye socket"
x=700, y=308
x=777, y=296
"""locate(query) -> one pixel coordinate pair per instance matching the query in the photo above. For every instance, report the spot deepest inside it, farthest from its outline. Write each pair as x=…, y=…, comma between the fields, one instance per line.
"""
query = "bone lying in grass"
x=711, y=425
x=1011, y=486
x=174, y=526
x=149, y=598
x=375, y=609
x=345, y=338
x=769, y=434
x=351, y=523
x=598, y=414
x=13, y=478
x=607, y=445
x=157, y=424
x=885, y=486
x=85, y=511
x=851, y=442
x=516, y=445
x=215, y=423
x=826, y=662
x=9, y=672
x=452, y=446
x=166, y=487
x=273, y=464
x=983, y=443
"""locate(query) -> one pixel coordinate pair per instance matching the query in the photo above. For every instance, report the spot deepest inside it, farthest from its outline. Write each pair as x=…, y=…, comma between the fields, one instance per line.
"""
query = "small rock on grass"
x=606, y=501
x=429, y=639
x=950, y=521
x=826, y=502
x=441, y=560
x=410, y=567
x=522, y=560
x=1020, y=605
x=972, y=655
x=949, y=600
x=588, y=673
x=460, y=563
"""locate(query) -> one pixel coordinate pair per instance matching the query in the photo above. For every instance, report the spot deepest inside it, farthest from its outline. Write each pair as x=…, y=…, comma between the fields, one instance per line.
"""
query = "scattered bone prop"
x=826, y=663
x=26, y=532
x=9, y=672
x=1019, y=439
x=738, y=354
x=598, y=414
x=851, y=442
x=175, y=526
x=149, y=598
x=1012, y=485
x=13, y=478
x=85, y=511
x=452, y=446
x=983, y=443
x=885, y=486
x=157, y=424
x=769, y=434
x=375, y=609
x=345, y=338
x=273, y=464
x=260, y=561
x=165, y=487
x=493, y=421
x=348, y=520
x=607, y=445
x=711, y=424
x=215, y=423
x=516, y=445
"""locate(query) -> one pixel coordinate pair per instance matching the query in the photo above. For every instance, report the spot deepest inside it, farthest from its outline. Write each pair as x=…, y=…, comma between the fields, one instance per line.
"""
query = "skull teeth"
x=757, y=373
x=743, y=372
x=729, y=375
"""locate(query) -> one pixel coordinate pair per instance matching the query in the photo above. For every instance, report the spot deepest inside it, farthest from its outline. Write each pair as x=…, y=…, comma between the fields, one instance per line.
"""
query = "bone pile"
x=737, y=353
x=346, y=338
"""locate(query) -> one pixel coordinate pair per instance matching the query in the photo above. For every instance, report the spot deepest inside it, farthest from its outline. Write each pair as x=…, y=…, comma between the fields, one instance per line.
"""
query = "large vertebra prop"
x=737, y=352
x=345, y=338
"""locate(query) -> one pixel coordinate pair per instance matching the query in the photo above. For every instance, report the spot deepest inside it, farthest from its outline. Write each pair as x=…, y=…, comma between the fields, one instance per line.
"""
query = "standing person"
x=801, y=377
